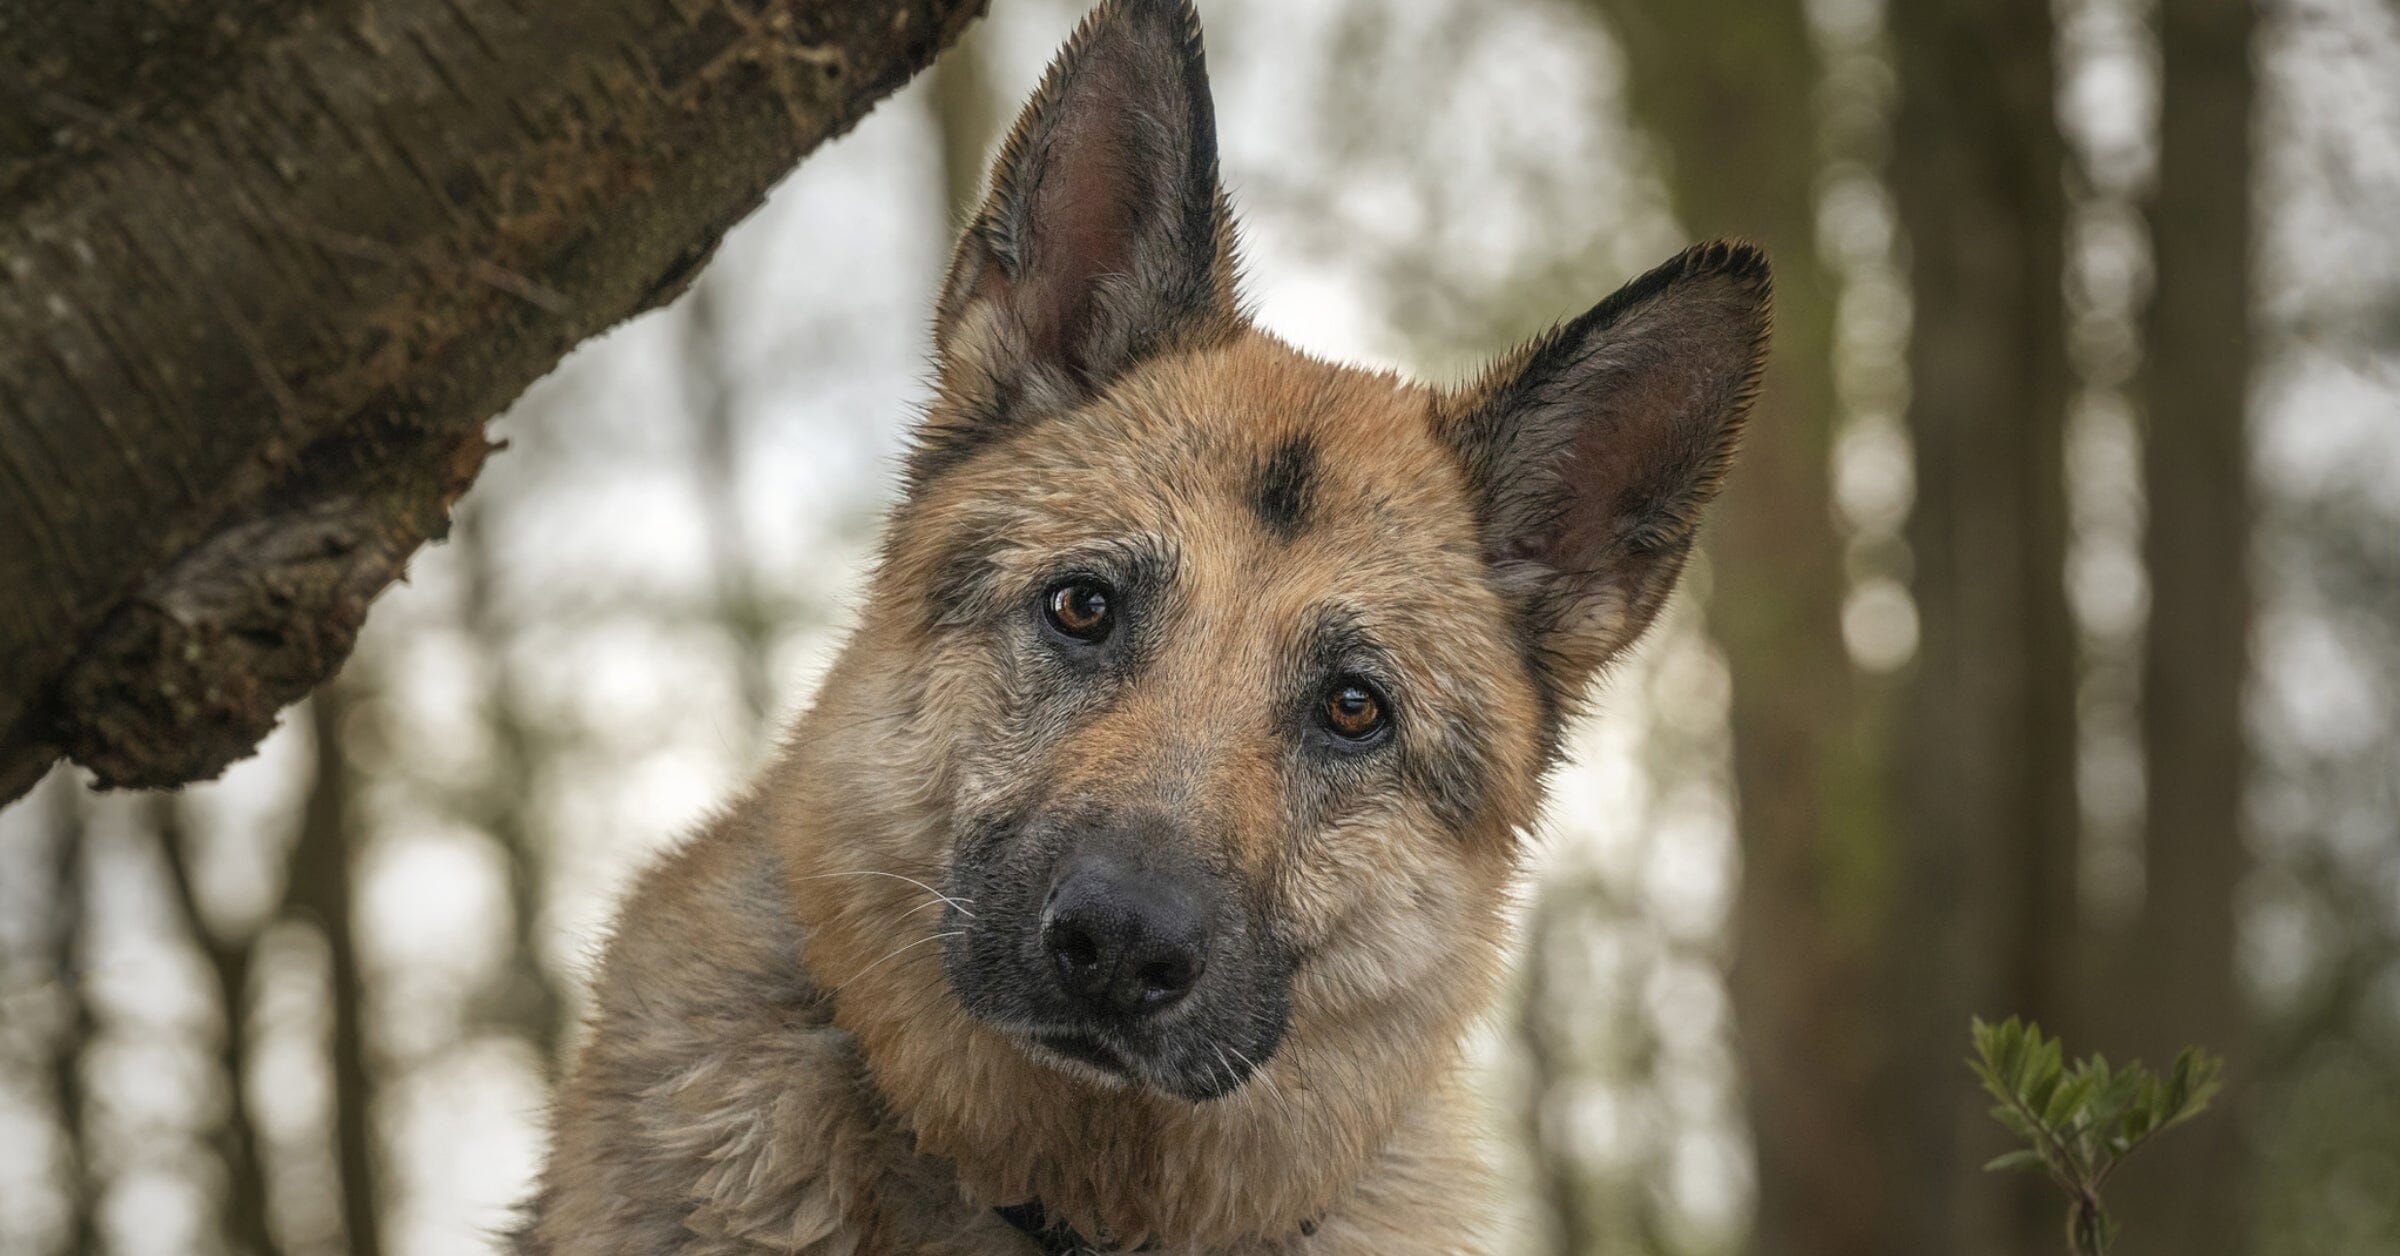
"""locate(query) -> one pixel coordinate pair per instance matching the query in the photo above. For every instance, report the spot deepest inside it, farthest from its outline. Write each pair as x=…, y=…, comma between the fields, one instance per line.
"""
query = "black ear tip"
x=1177, y=17
x=1741, y=269
x=1161, y=38
x=1738, y=260
x=1181, y=12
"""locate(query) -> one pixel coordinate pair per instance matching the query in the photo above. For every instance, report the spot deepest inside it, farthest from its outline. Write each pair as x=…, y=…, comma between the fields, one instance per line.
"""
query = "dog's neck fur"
x=1120, y=1165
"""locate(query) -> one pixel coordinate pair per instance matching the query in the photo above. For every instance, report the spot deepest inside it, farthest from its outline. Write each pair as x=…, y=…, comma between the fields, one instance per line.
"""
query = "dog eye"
x=1081, y=608
x=1353, y=711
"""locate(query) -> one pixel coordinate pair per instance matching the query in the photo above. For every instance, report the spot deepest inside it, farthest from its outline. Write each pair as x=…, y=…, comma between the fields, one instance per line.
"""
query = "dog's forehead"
x=1258, y=448
x=1285, y=486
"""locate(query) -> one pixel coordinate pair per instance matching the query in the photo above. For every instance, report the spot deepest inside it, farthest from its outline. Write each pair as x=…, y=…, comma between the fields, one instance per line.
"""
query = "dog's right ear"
x=1104, y=238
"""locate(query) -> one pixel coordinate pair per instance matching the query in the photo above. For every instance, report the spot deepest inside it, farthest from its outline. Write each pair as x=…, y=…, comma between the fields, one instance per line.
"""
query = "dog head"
x=1220, y=680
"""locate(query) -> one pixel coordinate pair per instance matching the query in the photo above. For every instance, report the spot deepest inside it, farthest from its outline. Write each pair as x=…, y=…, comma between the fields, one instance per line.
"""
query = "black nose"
x=1124, y=941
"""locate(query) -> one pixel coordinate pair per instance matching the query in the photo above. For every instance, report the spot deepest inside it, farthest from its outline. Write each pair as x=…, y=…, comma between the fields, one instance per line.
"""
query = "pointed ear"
x=1104, y=238
x=1592, y=450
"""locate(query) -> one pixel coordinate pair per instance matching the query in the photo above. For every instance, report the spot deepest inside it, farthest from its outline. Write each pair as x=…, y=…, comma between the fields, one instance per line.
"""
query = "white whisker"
x=935, y=902
x=960, y=904
x=895, y=953
x=1257, y=1073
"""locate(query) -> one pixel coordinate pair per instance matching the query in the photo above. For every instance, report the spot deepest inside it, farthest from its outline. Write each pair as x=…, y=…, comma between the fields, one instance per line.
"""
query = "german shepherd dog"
x=1149, y=848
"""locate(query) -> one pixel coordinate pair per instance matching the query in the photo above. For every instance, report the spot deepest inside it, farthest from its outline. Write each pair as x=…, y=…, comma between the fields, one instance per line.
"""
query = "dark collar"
x=1055, y=1238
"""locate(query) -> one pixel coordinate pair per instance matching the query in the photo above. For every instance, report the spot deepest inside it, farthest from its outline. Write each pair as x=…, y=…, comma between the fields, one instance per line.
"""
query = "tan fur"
x=1379, y=1022
x=780, y=1061
x=1356, y=1126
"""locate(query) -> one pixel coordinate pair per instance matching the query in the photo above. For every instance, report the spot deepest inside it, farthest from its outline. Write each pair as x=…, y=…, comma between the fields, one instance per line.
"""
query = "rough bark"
x=266, y=270
x=1727, y=90
x=2195, y=390
x=1988, y=750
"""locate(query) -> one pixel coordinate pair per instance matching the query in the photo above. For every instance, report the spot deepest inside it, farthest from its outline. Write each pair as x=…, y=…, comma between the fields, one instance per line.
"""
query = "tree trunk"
x=1547, y=1061
x=1727, y=89
x=712, y=394
x=523, y=998
x=321, y=894
x=245, y=1218
x=79, y=1193
x=265, y=270
x=2195, y=390
x=1987, y=893
x=966, y=117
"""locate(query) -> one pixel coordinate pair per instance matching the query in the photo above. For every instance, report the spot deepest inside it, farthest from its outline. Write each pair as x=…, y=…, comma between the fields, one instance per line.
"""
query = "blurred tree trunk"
x=713, y=395
x=2195, y=392
x=1987, y=900
x=72, y=1030
x=1727, y=89
x=524, y=998
x=271, y=266
x=1613, y=1205
x=244, y=1215
x=321, y=892
x=966, y=116
x=1548, y=1059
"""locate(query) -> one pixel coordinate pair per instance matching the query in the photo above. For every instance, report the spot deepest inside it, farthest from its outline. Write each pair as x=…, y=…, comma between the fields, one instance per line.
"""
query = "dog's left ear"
x=1105, y=237
x=1592, y=450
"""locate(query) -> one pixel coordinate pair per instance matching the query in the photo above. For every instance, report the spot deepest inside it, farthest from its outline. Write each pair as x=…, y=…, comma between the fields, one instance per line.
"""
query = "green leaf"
x=2047, y=1062
x=2016, y=1121
x=2023, y=1159
x=2068, y=1102
x=2108, y=1109
x=2039, y=1095
x=2012, y=1050
x=2081, y=1119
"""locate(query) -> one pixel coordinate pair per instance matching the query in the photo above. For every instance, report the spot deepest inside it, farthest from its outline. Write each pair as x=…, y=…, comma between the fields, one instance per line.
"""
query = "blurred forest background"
x=2045, y=659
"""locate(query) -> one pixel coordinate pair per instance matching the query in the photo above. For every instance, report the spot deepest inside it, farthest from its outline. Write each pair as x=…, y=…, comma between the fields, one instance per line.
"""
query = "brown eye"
x=1079, y=608
x=1352, y=710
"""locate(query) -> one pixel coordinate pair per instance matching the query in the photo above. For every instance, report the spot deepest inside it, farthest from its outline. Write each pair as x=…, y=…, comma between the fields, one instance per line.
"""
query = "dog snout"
x=1125, y=941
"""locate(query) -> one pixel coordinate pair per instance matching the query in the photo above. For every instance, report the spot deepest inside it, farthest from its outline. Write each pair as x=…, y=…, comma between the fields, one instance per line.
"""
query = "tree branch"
x=262, y=281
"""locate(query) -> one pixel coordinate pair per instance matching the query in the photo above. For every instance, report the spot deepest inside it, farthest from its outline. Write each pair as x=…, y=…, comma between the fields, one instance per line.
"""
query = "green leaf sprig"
x=2081, y=1121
